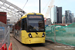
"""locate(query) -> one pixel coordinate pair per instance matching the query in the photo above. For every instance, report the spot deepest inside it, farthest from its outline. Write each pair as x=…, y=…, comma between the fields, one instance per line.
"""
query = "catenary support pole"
x=39, y=6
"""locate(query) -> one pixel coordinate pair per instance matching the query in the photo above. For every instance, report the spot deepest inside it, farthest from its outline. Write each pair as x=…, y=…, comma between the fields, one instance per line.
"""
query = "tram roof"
x=25, y=16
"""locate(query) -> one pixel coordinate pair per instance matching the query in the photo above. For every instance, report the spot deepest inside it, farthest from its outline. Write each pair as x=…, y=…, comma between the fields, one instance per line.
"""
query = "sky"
x=33, y=5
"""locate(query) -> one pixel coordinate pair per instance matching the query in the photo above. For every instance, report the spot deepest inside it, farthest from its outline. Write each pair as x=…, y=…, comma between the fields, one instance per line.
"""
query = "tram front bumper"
x=34, y=40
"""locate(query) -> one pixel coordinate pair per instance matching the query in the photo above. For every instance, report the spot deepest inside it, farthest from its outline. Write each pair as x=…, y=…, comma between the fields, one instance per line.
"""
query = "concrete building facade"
x=69, y=17
x=53, y=15
x=56, y=14
x=59, y=14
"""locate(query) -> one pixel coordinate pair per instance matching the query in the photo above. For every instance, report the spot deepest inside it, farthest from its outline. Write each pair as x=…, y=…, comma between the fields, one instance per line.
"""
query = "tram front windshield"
x=36, y=25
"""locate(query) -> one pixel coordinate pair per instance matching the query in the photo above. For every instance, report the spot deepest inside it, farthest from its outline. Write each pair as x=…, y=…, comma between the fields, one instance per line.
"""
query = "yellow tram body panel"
x=25, y=39
x=35, y=40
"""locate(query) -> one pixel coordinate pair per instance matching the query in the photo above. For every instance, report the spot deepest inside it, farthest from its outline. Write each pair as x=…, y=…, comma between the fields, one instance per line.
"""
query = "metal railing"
x=4, y=34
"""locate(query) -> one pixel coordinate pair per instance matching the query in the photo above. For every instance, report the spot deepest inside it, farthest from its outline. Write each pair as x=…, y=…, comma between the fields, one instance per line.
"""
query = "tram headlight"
x=43, y=35
x=30, y=35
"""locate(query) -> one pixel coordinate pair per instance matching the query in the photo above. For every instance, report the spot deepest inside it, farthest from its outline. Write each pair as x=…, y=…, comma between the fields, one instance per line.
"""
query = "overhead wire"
x=25, y=4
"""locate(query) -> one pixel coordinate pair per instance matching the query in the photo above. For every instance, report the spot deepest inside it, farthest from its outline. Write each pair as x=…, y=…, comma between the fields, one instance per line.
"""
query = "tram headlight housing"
x=43, y=35
x=30, y=35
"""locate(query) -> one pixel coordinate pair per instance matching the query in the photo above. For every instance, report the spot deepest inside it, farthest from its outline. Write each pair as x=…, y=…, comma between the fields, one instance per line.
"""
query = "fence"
x=61, y=34
x=4, y=35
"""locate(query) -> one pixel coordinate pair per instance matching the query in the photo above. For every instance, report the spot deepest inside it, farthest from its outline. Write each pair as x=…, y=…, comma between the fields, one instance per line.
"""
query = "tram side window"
x=24, y=24
x=16, y=26
x=19, y=25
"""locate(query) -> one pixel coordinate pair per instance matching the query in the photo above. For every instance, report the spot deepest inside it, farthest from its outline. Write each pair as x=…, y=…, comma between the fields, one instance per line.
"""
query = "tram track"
x=38, y=47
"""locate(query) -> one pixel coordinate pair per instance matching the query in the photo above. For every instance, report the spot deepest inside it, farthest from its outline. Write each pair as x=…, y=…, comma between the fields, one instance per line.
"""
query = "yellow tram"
x=30, y=29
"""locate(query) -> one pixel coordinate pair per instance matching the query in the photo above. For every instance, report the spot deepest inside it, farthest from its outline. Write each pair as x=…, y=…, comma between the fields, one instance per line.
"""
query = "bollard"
x=10, y=46
x=4, y=47
x=0, y=48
